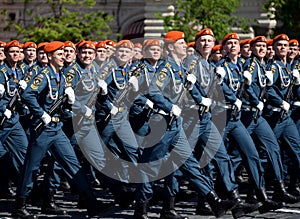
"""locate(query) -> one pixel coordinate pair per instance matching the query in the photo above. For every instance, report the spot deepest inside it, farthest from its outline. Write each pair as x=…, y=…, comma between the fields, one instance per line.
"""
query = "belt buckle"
x=55, y=119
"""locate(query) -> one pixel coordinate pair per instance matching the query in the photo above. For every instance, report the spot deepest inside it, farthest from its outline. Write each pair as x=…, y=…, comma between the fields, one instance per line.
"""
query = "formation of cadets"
x=131, y=115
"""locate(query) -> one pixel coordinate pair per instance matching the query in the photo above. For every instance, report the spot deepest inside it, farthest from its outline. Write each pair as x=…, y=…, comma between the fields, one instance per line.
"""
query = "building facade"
x=135, y=19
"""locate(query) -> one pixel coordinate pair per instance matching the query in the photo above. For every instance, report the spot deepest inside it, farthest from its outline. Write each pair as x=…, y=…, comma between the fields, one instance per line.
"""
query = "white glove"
x=285, y=106
x=23, y=84
x=248, y=77
x=7, y=113
x=192, y=80
x=295, y=73
x=220, y=72
x=176, y=111
x=149, y=104
x=238, y=104
x=103, y=85
x=88, y=112
x=2, y=90
x=269, y=75
x=260, y=106
x=71, y=95
x=114, y=110
x=46, y=118
x=206, y=101
x=134, y=82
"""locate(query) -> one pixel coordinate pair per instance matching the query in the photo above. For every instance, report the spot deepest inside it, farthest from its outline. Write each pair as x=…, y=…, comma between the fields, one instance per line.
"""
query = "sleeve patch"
x=36, y=82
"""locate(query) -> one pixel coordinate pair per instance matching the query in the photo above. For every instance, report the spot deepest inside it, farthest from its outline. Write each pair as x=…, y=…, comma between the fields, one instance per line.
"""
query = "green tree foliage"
x=194, y=15
x=60, y=23
x=286, y=13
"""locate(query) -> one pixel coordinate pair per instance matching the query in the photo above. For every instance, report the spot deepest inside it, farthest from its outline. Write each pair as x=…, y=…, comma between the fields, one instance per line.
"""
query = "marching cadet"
x=48, y=87
x=233, y=84
x=2, y=55
x=13, y=141
x=113, y=125
x=172, y=151
x=205, y=138
x=84, y=76
x=252, y=108
x=70, y=53
x=101, y=54
x=277, y=111
x=245, y=52
x=293, y=54
x=142, y=106
x=190, y=49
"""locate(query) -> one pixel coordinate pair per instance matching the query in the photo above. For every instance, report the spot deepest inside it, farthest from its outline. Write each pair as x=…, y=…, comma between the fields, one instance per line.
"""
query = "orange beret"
x=137, y=45
x=70, y=44
x=216, y=48
x=86, y=44
x=148, y=43
x=125, y=43
x=41, y=45
x=101, y=44
x=205, y=31
x=53, y=46
x=293, y=42
x=245, y=41
x=110, y=43
x=2, y=44
x=13, y=43
x=29, y=45
x=229, y=37
x=280, y=37
x=173, y=36
x=258, y=39
x=191, y=44
x=270, y=42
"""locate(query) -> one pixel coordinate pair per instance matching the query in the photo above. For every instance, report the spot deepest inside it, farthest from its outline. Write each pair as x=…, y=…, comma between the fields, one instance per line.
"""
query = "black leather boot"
x=268, y=204
x=203, y=207
x=140, y=210
x=49, y=206
x=20, y=210
x=242, y=208
x=168, y=210
x=280, y=194
x=93, y=206
x=293, y=187
x=218, y=206
x=251, y=197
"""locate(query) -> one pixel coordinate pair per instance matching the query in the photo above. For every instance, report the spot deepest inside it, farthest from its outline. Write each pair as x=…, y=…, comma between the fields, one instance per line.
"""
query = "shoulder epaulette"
x=45, y=71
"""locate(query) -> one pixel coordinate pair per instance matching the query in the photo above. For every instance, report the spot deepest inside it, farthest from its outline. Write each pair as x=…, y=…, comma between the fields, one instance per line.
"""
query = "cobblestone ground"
x=186, y=206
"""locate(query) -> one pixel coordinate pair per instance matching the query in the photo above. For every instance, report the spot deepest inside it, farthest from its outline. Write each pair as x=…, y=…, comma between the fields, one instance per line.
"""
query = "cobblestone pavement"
x=185, y=206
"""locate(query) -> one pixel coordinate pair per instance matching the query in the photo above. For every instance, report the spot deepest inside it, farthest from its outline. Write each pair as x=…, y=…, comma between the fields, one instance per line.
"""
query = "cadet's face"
x=270, y=52
x=70, y=54
x=57, y=58
x=180, y=48
x=2, y=55
x=217, y=56
x=110, y=50
x=293, y=52
x=13, y=54
x=232, y=46
x=42, y=57
x=123, y=55
x=281, y=48
x=245, y=51
x=21, y=55
x=86, y=56
x=153, y=52
x=259, y=49
x=190, y=51
x=138, y=53
x=101, y=54
x=30, y=54
x=205, y=44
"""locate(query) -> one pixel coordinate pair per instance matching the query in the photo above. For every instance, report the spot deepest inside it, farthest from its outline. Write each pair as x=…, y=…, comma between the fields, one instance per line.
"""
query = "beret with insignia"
x=203, y=32
x=13, y=43
x=53, y=46
x=280, y=37
x=229, y=37
x=29, y=45
x=173, y=36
